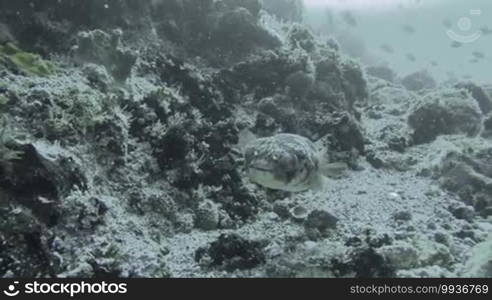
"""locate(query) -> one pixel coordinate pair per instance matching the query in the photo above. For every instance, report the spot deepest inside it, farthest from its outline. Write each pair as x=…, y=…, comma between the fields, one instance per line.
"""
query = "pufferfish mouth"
x=263, y=169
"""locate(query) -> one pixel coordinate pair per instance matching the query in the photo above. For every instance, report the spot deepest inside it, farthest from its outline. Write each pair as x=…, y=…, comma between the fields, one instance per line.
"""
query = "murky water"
x=451, y=39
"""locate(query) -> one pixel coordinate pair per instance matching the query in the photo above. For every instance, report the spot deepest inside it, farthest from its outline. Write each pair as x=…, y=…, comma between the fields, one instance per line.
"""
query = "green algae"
x=25, y=62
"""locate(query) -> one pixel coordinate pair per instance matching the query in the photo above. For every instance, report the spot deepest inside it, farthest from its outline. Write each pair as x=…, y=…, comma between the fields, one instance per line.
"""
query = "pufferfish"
x=287, y=162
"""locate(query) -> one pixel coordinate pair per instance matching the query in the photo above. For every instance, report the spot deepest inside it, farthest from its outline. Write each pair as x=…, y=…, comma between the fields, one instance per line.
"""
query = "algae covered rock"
x=13, y=58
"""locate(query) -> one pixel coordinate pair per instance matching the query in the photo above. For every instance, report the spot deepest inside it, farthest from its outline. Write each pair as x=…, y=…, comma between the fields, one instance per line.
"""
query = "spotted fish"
x=288, y=162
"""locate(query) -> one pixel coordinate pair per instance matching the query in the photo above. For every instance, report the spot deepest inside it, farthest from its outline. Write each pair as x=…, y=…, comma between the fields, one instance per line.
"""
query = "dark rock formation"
x=444, y=112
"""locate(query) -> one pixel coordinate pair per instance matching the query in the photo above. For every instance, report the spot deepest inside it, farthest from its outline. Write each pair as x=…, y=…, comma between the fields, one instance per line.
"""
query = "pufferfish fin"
x=332, y=169
x=245, y=137
x=318, y=183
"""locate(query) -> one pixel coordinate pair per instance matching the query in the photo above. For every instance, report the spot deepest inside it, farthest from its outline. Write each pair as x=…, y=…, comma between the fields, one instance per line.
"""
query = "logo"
x=465, y=25
x=11, y=290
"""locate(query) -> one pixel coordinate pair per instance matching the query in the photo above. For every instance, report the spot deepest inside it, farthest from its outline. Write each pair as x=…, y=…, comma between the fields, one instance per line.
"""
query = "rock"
x=40, y=178
x=400, y=254
x=364, y=263
x=232, y=252
x=24, y=240
x=442, y=237
x=462, y=212
x=444, y=112
x=432, y=253
x=346, y=133
x=282, y=208
x=479, y=94
x=321, y=220
x=24, y=63
x=418, y=81
x=479, y=263
x=207, y=215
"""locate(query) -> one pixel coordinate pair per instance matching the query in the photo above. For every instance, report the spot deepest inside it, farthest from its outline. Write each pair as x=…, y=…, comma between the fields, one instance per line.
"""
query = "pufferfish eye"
x=287, y=161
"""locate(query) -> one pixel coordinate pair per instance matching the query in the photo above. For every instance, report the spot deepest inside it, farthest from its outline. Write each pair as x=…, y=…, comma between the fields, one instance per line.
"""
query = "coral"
x=26, y=63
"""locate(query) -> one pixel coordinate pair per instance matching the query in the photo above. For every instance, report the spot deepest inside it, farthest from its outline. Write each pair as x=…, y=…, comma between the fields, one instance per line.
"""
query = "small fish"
x=478, y=54
x=434, y=63
x=408, y=29
x=387, y=48
x=473, y=61
x=411, y=57
x=485, y=30
x=349, y=18
x=456, y=44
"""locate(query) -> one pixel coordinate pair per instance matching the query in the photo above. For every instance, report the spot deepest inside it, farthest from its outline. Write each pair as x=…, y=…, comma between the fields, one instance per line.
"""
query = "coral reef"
x=121, y=126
